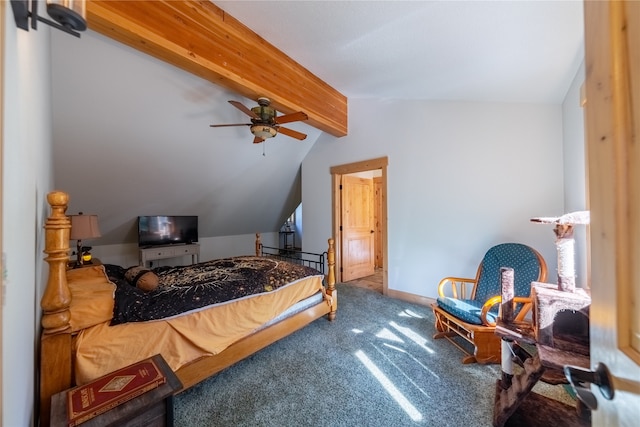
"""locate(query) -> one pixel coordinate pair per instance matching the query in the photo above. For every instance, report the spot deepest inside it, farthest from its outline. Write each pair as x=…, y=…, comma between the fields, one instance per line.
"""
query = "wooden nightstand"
x=153, y=408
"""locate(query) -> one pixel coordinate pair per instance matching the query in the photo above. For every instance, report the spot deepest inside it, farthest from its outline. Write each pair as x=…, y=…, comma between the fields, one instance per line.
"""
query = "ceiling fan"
x=265, y=122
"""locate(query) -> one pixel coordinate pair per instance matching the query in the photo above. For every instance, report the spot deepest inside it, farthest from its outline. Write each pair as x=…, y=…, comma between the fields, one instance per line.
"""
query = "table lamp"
x=83, y=227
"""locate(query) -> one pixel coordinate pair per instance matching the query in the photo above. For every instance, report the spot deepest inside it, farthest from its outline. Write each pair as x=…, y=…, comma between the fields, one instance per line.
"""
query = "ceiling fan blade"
x=292, y=133
x=235, y=124
x=293, y=117
x=244, y=109
x=258, y=140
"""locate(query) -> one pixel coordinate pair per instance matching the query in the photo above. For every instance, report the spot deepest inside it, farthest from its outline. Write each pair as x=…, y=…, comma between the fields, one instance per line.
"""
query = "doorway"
x=367, y=244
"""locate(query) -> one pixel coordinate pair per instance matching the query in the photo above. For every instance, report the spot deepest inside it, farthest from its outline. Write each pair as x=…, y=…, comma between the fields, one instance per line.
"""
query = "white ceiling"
x=132, y=136
x=503, y=51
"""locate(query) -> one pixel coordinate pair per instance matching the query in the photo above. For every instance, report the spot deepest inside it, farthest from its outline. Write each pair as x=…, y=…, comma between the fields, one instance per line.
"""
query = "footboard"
x=324, y=262
x=203, y=368
x=309, y=259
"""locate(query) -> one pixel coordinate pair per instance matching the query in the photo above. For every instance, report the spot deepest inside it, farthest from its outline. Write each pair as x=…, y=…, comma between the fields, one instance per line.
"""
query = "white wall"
x=461, y=178
x=126, y=255
x=297, y=227
x=575, y=198
x=26, y=180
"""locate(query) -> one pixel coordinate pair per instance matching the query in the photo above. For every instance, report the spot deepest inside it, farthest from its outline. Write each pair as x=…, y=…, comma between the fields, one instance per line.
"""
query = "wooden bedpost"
x=331, y=279
x=258, y=245
x=55, y=344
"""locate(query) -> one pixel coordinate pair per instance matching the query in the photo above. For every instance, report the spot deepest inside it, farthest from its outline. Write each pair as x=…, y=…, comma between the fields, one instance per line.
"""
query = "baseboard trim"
x=406, y=296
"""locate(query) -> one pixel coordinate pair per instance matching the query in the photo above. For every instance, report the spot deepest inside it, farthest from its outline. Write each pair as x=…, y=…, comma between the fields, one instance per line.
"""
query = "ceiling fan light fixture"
x=265, y=123
x=263, y=131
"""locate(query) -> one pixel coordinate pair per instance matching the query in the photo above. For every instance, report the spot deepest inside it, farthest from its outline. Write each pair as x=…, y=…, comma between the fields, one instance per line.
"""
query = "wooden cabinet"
x=164, y=252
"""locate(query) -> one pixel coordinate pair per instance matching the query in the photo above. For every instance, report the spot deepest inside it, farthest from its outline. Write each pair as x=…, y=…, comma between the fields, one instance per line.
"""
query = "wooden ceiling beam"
x=200, y=38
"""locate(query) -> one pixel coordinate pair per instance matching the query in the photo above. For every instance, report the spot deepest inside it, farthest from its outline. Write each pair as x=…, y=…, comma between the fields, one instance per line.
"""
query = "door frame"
x=377, y=209
x=336, y=208
x=2, y=267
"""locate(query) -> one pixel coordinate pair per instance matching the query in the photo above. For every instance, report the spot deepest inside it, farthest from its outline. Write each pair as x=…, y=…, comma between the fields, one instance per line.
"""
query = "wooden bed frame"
x=56, y=353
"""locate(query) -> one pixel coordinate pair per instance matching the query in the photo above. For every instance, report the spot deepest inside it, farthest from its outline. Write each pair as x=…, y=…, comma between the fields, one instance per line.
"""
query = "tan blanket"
x=101, y=349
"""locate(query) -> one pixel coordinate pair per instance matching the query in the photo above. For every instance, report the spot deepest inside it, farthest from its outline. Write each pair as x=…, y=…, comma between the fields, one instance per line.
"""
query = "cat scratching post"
x=516, y=403
x=565, y=245
x=507, y=316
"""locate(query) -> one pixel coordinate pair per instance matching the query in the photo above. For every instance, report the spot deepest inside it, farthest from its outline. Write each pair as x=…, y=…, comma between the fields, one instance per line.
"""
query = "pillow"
x=91, y=297
x=142, y=278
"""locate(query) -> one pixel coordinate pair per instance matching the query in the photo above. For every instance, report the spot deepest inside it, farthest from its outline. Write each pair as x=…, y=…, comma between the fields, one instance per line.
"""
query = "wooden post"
x=331, y=279
x=55, y=347
x=258, y=245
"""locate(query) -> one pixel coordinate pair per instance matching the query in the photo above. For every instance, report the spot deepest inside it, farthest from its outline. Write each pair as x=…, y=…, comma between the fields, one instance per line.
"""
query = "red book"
x=97, y=397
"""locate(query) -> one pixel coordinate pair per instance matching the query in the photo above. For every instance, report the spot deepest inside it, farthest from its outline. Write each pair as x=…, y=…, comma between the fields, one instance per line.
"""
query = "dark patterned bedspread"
x=191, y=287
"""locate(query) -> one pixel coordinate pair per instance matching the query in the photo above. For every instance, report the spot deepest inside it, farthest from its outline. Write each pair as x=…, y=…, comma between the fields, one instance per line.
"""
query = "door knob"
x=580, y=380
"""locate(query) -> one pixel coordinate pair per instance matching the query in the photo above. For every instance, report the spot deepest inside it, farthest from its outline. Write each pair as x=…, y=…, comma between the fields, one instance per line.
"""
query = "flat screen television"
x=158, y=230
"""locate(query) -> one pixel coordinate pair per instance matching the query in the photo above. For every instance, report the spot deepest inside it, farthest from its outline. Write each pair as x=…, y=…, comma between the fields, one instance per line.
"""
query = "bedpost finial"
x=58, y=198
x=258, y=245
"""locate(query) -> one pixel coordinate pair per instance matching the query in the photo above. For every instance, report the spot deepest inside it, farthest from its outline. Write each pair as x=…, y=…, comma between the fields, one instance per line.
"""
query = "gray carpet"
x=376, y=365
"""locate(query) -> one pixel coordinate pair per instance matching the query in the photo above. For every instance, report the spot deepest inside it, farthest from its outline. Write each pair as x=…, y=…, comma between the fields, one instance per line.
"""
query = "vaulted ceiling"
x=202, y=39
x=524, y=51
x=135, y=95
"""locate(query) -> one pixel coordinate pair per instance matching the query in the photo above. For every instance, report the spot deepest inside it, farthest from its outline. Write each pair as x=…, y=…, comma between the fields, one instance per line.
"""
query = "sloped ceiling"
x=202, y=39
x=132, y=135
x=524, y=51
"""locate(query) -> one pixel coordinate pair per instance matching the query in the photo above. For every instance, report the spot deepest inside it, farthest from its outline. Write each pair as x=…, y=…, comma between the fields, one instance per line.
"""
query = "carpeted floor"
x=376, y=365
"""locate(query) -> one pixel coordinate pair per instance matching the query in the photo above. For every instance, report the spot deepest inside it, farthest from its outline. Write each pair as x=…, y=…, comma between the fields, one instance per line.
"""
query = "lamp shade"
x=84, y=227
x=69, y=13
x=263, y=131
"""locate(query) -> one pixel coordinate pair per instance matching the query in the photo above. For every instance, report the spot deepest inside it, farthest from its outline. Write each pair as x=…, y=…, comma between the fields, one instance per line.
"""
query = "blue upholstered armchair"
x=468, y=308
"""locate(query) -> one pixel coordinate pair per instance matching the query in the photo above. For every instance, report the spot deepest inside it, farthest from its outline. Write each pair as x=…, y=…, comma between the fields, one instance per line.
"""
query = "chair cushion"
x=466, y=310
x=521, y=258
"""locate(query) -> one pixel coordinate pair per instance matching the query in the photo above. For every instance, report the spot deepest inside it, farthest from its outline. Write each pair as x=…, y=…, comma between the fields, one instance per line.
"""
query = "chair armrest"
x=526, y=307
x=458, y=287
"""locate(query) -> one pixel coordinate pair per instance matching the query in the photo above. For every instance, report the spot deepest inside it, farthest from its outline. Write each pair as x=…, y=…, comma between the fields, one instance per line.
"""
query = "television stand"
x=172, y=251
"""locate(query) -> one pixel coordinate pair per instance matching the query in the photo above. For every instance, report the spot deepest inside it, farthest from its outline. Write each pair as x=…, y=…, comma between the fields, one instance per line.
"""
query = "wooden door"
x=612, y=46
x=377, y=220
x=357, y=227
